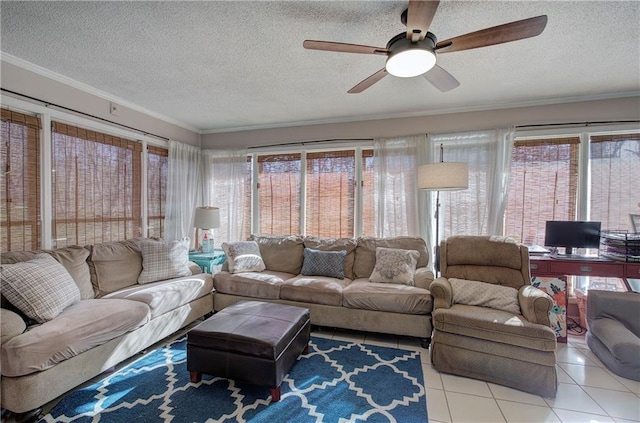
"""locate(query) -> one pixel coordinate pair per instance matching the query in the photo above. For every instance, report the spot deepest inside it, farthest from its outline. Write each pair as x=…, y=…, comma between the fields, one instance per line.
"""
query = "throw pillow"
x=485, y=294
x=40, y=288
x=163, y=260
x=394, y=265
x=243, y=256
x=323, y=263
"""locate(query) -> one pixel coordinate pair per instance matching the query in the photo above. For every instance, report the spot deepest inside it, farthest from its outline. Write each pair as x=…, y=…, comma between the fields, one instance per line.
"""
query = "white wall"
x=599, y=110
x=29, y=83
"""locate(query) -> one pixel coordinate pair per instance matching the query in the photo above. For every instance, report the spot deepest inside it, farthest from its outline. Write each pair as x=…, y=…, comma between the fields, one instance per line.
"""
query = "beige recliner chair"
x=489, y=322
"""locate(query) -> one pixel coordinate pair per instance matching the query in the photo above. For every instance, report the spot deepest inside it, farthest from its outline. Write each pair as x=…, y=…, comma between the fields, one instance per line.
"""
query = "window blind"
x=330, y=193
x=157, y=168
x=96, y=186
x=615, y=181
x=279, y=193
x=543, y=186
x=20, y=182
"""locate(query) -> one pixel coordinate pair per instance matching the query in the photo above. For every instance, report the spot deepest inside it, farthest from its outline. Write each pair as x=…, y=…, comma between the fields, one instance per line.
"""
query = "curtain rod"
x=550, y=125
x=48, y=103
x=309, y=142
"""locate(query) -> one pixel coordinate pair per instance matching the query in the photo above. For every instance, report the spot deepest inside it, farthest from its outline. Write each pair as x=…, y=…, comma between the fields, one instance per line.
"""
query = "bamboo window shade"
x=543, y=186
x=330, y=193
x=157, y=170
x=615, y=179
x=20, y=181
x=279, y=193
x=96, y=186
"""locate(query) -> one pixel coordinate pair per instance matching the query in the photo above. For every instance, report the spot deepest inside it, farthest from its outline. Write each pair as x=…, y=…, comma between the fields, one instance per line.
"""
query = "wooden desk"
x=547, y=266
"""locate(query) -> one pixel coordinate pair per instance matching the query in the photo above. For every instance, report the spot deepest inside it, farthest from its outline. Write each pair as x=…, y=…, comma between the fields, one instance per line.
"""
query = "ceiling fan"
x=413, y=52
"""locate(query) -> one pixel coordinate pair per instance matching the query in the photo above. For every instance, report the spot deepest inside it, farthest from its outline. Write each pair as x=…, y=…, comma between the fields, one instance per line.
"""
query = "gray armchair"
x=613, y=322
x=489, y=322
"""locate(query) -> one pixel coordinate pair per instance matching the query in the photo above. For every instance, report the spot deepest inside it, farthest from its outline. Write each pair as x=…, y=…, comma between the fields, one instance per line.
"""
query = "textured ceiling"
x=222, y=66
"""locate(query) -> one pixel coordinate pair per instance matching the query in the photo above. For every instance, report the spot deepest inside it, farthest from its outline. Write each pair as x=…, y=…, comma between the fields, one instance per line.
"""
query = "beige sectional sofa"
x=111, y=316
x=353, y=302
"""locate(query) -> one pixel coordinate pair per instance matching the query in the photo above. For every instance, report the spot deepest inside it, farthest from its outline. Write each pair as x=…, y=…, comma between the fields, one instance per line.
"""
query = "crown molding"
x=453, y=110
x=39, y=70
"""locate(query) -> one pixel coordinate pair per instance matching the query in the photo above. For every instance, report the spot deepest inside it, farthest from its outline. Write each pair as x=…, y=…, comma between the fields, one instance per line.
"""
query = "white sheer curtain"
x=183, y=190
x=478, y=210
x=400, y=208
x=226, y=181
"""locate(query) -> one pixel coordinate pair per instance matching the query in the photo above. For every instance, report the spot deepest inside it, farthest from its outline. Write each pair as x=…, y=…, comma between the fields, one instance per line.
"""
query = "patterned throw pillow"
x=243, y=256
x=163, y=260
x=485, y=294
x=40, y=288
x=323, y=263
x=394, y=265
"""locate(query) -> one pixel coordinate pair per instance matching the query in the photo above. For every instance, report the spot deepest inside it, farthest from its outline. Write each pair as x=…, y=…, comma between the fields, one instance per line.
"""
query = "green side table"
x=209, y=262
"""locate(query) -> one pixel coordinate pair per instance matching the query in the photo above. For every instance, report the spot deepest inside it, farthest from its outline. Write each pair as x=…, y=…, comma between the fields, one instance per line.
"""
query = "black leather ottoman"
x=250, y=341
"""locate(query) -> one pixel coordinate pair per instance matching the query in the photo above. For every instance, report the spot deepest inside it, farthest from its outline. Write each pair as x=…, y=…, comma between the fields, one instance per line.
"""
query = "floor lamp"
x=442, y=177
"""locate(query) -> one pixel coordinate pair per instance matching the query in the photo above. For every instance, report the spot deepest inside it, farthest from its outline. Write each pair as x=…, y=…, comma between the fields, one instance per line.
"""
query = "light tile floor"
x=587, y=392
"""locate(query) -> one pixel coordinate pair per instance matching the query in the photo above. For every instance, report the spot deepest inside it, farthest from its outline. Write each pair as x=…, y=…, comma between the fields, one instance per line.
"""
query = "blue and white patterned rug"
x=335, y=382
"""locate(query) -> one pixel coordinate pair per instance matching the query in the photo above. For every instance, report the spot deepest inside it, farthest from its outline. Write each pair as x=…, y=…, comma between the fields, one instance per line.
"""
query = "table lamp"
x=206, y=218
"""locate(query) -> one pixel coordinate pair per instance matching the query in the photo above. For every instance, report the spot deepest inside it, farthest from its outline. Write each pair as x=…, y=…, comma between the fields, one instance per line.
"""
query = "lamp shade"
x=207, y=218
x=443, y=176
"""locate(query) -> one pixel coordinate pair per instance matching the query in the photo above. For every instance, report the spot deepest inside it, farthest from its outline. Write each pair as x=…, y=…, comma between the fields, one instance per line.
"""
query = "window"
x=157, y=167
x=96, y=186
x=330, y=193
x=615, y=185
x=20, y=182
x=368, y=194
x=543, y=186
x=279, y=193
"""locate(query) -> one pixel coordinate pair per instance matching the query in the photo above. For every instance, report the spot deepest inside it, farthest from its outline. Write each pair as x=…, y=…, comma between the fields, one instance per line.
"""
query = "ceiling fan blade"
x=343, y=47
x=441, y=79
x=512, y=31
x=419, y=17
x=366, y=83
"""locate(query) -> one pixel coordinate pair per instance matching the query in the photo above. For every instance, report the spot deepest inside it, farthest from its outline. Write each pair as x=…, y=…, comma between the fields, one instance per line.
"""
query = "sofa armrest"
x=423, y=277
x=621, y=306
x=442, y=293
x=535, y=305
x=11, y=325
x=195, y=269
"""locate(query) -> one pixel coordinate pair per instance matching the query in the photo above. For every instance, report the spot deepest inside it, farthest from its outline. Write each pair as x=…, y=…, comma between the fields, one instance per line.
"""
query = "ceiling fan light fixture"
x=410, y=62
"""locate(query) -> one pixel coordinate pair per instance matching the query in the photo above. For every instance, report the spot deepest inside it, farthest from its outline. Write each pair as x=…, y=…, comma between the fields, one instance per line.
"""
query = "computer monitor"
x=572, y=234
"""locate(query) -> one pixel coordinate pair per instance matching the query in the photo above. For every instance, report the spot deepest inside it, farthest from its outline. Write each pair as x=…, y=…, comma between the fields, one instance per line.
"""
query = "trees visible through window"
x=19, y=182
x=543, y=186
x=157, y=167
x=96, y=186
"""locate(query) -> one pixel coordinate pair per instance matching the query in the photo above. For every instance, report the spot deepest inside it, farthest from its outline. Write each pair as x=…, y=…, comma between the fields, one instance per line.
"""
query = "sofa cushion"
x=485, y=294
x=11, y=325
x=365, y=258
x=40, y=288
x=335, y=244
x=314, y=289
x=323, y=263
x=73, y=258
x=395, y=298
x=167, y=295
x=264, y=284
x=281, y=253
x=394, y=265
x=162, y=260
x=494, y=325
x=125, y=256
x=243, y=256
x=84, y=325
